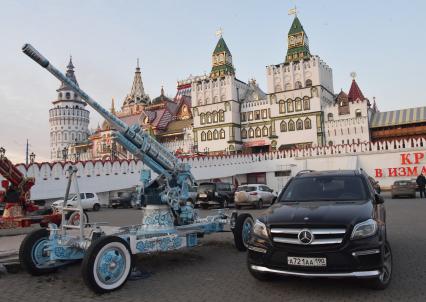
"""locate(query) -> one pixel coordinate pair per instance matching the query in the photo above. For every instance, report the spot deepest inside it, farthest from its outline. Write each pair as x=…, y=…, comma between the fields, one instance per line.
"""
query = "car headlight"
x=260, y=229
x=364, y=229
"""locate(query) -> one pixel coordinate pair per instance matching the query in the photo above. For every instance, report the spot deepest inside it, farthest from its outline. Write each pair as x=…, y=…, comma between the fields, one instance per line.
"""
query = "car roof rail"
x=301, y=172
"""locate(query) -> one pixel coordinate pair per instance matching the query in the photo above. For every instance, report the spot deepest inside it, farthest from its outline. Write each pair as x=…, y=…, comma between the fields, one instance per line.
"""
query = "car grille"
x=321, y=236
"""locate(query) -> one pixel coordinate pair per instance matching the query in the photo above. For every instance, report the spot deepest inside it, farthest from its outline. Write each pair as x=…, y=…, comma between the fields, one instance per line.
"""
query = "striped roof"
x=398, y=117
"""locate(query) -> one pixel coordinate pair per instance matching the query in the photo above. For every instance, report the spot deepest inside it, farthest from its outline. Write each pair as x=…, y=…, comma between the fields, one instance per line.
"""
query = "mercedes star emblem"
x=305, y=236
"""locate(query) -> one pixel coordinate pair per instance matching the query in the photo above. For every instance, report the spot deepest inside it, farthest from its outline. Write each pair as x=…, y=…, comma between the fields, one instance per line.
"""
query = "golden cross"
x=353, y=75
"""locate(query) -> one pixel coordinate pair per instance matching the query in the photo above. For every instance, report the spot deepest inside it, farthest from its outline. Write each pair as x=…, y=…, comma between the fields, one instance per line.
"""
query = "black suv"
x=214, y=193
x=324, y=224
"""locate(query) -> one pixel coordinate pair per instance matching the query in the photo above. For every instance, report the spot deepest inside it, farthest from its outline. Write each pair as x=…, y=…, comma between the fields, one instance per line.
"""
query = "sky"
x=382, y=41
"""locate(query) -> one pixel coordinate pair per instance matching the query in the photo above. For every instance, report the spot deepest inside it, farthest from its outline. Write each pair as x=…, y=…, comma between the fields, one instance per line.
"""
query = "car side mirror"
x=379, y=199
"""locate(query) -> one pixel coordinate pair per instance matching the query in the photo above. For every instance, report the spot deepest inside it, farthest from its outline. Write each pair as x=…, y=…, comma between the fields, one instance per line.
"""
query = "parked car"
x=414, y=181
x=403, y=188
x=122, y=200
x=89, y=201
x=214, y=193
x=324, y=224
x=255, y=195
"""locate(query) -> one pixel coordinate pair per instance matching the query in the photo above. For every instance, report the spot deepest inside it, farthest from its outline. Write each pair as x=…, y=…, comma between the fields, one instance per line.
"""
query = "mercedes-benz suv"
x=324, y=224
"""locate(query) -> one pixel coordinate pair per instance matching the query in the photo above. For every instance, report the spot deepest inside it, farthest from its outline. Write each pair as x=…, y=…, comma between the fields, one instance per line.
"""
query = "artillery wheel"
x=242, y=230
x=74, y=218
x=34, y=255
x=107, y=264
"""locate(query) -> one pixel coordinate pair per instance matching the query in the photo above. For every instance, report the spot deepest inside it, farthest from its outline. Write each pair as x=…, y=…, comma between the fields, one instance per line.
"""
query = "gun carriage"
x=168, y=221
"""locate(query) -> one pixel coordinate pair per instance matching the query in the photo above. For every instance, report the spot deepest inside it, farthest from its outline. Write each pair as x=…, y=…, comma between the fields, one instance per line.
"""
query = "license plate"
x=203, y=195
x=306, y=261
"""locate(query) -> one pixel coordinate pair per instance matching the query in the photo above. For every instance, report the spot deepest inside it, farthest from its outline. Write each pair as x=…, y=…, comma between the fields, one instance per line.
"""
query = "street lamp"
x=2, y=152
x=65, y=153
x=32, y=157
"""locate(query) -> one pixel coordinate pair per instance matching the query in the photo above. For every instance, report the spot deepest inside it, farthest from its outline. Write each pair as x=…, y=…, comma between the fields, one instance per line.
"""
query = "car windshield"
x=206, y=188
x=246, y=189
x=325, y=188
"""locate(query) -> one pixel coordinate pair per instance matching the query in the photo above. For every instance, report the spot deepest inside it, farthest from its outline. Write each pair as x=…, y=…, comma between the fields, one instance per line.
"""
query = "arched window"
x=203, y=136
x=298, y=104
x=72, y=136
x=265, y=131
x=214, y=116
x=67, y=95
x=282, y=106
x=207, y=101
x=358, y=113
x=308, y=123
x=330, y=117
x=251, y=133
x=202, y=118
x=298, y=85
x=290, y=107
x=306, y=103
x=283, y=126
x=291, y=125
x=308, y=83
x=222, y=134
x=287, y=86
x=299, y=124
x=215, y=134
x=258, y=132
x=209, y=135
x=244, y=133
x=208, y=118
x=60, y=95
x=221, y=116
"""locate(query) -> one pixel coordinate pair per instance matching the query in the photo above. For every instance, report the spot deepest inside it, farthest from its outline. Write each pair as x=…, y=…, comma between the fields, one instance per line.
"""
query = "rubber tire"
x=25, y=251
x=96, y=207
x=89, y=261
x=68, y=216
x=376, y=283
x=225, y=204
x=259, y=204
x=238, y=231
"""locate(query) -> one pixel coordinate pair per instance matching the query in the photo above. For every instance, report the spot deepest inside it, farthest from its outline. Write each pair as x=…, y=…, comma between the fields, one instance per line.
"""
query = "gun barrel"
x=142, y=140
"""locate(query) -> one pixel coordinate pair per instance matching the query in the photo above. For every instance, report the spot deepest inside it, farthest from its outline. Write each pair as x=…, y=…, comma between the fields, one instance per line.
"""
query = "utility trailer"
x=168, y=221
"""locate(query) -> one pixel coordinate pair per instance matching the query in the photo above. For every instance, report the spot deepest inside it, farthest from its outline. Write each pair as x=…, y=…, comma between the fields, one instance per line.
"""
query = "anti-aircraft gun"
x=168, y=223
x=174, y=177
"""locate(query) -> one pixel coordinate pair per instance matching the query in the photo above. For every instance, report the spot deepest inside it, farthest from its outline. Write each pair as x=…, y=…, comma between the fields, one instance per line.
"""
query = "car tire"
x=225, y=203
x=259, y=204
x=96, y=207
x=97, y=274
x=242, y=229
x=383, y=280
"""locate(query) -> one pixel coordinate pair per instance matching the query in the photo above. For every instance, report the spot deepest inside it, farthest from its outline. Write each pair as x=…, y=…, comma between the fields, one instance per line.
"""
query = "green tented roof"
x=296, y=27
x=221, y=47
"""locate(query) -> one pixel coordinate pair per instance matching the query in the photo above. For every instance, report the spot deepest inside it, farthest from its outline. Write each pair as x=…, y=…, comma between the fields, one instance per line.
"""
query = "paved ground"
x=217, y=272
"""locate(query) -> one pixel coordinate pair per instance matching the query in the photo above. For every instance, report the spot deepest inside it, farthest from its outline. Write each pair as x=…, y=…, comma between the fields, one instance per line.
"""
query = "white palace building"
x=241, y=134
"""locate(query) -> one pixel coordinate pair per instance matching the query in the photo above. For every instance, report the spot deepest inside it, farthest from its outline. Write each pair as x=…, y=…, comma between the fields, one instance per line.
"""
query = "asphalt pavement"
x=216, y=271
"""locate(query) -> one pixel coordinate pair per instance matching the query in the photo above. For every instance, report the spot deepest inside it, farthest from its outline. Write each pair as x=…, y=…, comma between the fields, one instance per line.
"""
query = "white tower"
x=69, y=120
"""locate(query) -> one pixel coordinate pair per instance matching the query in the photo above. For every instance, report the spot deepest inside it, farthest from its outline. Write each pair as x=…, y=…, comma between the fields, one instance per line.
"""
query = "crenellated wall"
x=387, y=161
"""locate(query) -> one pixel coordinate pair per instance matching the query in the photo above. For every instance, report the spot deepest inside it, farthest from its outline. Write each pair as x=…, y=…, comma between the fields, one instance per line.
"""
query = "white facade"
x=68, y=119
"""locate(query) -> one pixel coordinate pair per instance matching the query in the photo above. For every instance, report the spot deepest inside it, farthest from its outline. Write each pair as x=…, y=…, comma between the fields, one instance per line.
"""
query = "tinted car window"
x=246, y=189
x=339, y=188
x=403, y=183
x=89, y=195
x=206, y=188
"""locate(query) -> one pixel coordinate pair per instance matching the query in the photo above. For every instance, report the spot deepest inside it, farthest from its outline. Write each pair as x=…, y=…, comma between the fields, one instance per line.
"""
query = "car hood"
x=319, y=213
